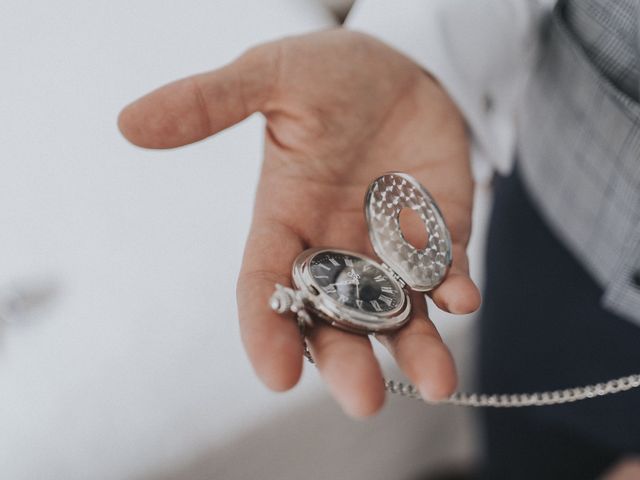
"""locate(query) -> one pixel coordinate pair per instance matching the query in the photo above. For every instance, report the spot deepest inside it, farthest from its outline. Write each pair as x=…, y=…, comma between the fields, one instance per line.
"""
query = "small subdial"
x=355, y=282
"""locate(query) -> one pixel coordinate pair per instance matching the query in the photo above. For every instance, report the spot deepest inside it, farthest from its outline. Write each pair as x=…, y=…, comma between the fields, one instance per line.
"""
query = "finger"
x=272, y=341
x=457, y=293
x=421, y=354
x=350, y=369
x=196, y=107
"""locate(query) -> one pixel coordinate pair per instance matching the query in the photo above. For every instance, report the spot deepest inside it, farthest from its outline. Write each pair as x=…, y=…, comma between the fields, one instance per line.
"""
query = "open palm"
x=341, y=109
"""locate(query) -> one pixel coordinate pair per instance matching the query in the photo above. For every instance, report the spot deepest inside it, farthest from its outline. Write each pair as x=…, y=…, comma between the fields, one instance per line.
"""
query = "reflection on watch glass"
x=355, y=282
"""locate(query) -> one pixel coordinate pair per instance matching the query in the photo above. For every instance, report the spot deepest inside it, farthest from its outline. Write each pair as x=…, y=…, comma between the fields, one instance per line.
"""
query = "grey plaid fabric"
x=608, y=33
x=579, y=140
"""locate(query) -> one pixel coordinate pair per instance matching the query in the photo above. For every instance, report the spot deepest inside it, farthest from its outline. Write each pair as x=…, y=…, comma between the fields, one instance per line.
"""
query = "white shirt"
x=480, y=51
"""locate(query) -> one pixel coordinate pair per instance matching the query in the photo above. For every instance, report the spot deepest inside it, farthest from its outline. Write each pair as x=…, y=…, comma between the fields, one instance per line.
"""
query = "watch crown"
x=281, y=300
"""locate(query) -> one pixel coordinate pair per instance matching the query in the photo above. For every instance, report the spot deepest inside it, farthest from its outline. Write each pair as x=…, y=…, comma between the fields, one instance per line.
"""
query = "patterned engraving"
x=421, y=269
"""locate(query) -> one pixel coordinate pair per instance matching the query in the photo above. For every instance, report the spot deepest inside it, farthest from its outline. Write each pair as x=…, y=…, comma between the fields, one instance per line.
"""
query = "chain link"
x=536, y=399
x=287, y=299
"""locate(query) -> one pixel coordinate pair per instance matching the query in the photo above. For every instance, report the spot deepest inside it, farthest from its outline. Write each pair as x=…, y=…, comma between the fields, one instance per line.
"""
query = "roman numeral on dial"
x=386, y=299
x=386, y=289
x=376, y=306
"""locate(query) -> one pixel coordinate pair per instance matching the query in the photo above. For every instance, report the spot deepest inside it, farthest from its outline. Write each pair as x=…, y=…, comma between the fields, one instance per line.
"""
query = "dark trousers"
x=542, y=327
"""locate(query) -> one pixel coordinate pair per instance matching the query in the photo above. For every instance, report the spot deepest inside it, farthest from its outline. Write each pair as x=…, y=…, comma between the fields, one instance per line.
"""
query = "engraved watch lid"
x=420, y=269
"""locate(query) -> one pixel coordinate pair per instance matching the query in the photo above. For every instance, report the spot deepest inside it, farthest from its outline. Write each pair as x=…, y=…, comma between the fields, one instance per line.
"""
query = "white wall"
x=136, y=366
x=138, y=360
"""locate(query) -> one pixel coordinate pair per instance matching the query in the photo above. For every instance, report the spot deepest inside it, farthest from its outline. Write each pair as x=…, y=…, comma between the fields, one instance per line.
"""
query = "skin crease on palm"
x=341, y=108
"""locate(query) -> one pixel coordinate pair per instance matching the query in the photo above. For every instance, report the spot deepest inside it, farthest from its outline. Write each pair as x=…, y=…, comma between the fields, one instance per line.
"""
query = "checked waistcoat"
x=579, y=141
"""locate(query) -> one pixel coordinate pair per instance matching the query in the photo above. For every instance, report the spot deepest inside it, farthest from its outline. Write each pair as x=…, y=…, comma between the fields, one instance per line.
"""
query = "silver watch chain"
x=287, y=299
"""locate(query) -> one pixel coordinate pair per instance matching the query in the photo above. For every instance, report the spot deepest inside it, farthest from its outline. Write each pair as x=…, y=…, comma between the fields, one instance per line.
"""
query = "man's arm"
x=481, y=52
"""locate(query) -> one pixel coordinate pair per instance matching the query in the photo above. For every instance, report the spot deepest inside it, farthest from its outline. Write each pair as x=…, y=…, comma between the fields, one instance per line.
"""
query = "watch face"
x=355, y=282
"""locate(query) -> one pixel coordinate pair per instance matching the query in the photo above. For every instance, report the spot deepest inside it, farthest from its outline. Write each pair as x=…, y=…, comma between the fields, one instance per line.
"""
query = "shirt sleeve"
x=480, y=51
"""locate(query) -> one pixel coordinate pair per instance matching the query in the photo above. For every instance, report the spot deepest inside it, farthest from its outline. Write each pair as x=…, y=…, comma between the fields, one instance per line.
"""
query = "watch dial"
x=355, y=282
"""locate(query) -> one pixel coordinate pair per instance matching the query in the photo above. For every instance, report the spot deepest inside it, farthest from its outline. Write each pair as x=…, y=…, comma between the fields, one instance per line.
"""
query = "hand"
x=627, y=468
x=341, y=109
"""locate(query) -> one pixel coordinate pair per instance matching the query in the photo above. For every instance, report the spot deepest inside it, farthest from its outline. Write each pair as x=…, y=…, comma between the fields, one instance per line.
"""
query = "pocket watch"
x=356, y=293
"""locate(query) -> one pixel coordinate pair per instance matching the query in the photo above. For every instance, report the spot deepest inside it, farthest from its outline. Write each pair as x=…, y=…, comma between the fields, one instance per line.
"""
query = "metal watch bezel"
x=331, y=311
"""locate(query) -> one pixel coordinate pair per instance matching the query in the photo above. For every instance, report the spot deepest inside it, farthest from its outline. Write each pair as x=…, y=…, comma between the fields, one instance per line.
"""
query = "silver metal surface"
x=334, y=313
x=289, y=300
x=423, y=269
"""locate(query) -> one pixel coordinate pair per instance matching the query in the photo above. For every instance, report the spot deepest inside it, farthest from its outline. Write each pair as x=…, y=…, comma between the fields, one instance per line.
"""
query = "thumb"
x=196, y=107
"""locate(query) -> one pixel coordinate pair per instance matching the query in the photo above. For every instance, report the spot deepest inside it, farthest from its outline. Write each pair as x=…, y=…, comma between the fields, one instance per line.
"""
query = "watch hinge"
x=394, y=275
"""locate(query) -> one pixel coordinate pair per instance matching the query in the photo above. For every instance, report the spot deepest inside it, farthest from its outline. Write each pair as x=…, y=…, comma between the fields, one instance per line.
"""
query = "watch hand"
x=349, y=282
